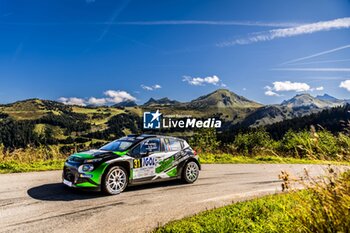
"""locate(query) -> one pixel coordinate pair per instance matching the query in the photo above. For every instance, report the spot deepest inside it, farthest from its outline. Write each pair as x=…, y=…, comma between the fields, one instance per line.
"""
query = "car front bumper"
x=73, y=178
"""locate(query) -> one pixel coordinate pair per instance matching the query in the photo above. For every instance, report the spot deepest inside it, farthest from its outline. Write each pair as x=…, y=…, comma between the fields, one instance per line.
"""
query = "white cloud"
x=118, y=96
x=214, y=80
x=271, y=93
x=147, y=88
x=97, y=101
x=72, y=101
x=341, y=23
x=113, y=97
x=151, y=88
x=280, y=86
x=290, y=86
x=345, y=84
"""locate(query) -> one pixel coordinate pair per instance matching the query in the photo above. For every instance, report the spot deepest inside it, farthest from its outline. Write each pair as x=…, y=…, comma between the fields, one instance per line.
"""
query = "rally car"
x=131, y=160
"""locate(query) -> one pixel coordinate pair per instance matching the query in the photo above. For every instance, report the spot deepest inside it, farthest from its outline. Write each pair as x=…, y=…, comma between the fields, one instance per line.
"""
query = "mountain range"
x=222, y=103
x=238, y=109
x=45, y=121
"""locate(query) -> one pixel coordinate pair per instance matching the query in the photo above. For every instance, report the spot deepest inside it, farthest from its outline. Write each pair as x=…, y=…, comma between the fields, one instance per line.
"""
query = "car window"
x=150, y=146
x=135, y=152
x=118, y=145
x=172, y=144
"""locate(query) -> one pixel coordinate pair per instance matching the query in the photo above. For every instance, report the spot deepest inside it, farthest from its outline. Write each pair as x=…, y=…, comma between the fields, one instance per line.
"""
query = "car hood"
x=90, y=154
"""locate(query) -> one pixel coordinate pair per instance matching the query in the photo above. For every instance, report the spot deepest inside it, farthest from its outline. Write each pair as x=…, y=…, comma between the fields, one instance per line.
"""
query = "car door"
x=145, y=158
x=167, y=159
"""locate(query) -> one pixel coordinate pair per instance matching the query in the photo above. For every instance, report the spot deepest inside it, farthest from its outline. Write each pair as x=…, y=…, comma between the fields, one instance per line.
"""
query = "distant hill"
x=298, y=106
x=33, y=108
x=308, y=101
x=326, y=97
x=160, y=102
x=332, y=99
x=335, y=120
x=222, y=98
x=126, y=103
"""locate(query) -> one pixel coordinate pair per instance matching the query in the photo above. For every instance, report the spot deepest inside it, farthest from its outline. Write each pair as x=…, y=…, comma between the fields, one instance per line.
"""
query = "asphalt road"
x=38, y=202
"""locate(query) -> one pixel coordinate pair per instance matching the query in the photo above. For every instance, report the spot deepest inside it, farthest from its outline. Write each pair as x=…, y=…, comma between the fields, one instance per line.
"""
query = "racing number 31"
x=137, y=163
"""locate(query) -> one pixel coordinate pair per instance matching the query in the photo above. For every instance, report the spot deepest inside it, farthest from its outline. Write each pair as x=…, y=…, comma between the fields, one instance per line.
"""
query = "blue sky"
x=103, y=52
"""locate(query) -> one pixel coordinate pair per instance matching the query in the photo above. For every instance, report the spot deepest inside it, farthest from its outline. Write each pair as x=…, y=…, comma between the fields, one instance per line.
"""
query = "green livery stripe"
x=86, y=184
x=83, y=155
x=165, y=164
x=172, y=172
x=97, y=173
x=120, y=153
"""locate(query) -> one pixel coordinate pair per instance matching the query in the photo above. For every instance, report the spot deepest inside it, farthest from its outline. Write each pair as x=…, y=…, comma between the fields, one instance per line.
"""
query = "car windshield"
x=118, y=145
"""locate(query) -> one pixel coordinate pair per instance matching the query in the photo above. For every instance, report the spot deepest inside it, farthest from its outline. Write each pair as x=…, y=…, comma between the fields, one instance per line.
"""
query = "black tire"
x=190, y=172
x=120, y=181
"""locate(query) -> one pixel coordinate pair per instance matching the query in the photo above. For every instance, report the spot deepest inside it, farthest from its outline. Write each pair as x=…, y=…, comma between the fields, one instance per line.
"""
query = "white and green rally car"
x=131, y=160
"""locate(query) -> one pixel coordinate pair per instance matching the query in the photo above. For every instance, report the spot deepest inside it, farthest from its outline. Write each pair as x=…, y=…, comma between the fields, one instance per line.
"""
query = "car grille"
x=68, y=175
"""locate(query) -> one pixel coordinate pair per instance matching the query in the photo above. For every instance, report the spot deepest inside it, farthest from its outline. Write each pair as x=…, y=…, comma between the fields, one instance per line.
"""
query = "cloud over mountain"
x=280, y=86
x=198, y=81
x=112, y=97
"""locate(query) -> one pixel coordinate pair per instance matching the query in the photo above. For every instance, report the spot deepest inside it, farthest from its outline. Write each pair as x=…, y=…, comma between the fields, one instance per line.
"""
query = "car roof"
x=144, y=136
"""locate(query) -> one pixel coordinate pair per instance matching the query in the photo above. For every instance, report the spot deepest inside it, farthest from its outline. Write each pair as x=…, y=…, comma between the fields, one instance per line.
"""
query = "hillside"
x=335, y=120
x=36, y=121
x=222, y=98
x=298, y=106
x=221, y=103
x=310, y=102
x=160, y=102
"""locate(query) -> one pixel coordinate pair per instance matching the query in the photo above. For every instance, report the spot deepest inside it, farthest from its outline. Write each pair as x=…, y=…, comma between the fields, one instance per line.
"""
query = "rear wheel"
x=115, y=181
x=190, y=172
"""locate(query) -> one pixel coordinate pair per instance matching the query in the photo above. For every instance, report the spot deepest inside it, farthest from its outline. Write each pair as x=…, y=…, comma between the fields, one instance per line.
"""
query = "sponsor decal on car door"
x=144, y=167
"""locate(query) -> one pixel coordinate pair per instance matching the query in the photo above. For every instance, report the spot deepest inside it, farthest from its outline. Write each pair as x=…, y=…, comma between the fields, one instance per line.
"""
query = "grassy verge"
x=15, y=166
x=208, y=158
x=322, y=207
x=267, y=214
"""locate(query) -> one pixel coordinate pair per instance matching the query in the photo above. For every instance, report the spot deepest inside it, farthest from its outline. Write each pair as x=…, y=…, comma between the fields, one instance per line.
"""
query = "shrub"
x=313, y=145
x=205, y=140
x=252, y=141
x=326, y=145
x=327, y=208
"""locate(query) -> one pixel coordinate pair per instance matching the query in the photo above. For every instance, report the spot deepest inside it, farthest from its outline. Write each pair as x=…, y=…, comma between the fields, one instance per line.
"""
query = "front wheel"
x=190, y=172
x=115, y=181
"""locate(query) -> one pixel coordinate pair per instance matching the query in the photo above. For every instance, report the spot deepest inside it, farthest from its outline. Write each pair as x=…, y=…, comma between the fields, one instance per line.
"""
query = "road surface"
x=38, y=202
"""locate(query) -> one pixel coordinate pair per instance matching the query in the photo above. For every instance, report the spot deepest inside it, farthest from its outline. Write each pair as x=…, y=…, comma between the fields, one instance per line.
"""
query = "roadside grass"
x=222, y=158
x=15, y=166
x=42, y=158
x=273, y=213
x=45, y=159
x=323, y=206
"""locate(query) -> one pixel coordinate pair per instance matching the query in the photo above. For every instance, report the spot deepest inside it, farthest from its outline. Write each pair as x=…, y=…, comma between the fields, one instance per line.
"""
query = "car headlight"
x=86, y=168
x=92, y=160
